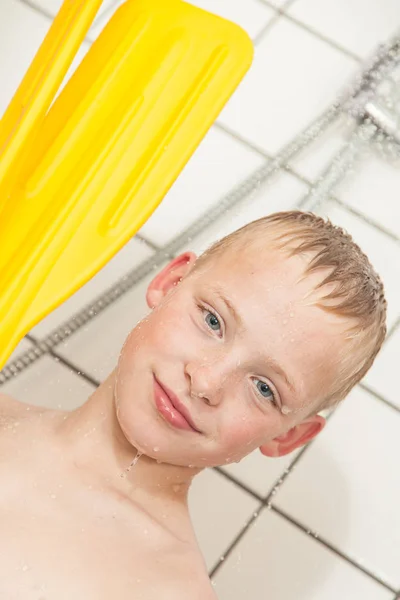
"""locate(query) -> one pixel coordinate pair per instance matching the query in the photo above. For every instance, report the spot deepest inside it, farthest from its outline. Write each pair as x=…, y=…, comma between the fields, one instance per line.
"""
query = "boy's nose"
x=204, y=383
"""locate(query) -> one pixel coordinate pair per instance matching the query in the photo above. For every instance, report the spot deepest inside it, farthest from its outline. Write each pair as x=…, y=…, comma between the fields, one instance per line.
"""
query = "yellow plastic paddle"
x=79, y=179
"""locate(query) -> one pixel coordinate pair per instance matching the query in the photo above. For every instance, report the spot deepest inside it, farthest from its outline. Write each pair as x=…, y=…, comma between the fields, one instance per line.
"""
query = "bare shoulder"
x=11, y=409
x=9, y=406
x=187, y=579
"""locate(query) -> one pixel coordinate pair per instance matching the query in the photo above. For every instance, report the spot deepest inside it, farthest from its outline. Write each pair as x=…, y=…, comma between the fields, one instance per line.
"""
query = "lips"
x=171, y=408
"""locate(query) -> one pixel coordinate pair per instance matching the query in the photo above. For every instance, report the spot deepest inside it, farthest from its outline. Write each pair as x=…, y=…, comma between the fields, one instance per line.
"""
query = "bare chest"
x=61, y=545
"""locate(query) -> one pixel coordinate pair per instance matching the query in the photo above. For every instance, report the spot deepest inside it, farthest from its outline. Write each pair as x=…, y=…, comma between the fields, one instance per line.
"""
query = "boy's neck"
x=95, y=442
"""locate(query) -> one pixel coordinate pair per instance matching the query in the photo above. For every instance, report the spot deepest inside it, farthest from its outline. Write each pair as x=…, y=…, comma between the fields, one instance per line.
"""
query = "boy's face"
x=241, y=346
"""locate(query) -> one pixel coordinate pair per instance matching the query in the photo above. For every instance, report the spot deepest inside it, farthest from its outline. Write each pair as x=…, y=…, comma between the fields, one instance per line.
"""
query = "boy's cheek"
x=242, y=436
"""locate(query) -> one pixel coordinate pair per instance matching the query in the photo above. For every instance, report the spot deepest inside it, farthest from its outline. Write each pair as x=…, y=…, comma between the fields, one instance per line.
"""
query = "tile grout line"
x=365, y=218
x=67, y=363
x=282, y=11
x=35, y=7
x=271, y=23
x=377, y=396
x=236, y=540
x=332, y=548
x=147, y=241
x=371, y=222
x=265, y=502
x=239, y=484
x=393, y=329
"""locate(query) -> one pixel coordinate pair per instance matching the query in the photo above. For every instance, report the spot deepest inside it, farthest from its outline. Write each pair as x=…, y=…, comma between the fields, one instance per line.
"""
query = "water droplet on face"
x=156, y=449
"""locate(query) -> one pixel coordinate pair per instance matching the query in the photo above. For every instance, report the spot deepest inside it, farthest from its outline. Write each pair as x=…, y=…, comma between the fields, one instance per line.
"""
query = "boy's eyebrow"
x=239, y=321
x=218, y=292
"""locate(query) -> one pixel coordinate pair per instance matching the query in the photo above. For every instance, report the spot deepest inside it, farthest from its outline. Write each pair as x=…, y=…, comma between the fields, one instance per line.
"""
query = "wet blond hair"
x=355, y=289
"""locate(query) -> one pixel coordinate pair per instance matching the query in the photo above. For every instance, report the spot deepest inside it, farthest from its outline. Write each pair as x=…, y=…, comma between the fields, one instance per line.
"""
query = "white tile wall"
x=49, y=383
x=96, y=346
x=345, y=486
x=374, y=189
x=359, y=26
x=276, y=560
x=127, y=259
x=216, y=166
x=353, y=472
x=382, y=378
x=216, y=527
x=294, y=77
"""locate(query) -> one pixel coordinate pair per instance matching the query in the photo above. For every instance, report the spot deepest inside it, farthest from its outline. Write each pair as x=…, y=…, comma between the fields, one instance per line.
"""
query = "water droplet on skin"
x=156, y=449
x=176, y=488
x=133, y=463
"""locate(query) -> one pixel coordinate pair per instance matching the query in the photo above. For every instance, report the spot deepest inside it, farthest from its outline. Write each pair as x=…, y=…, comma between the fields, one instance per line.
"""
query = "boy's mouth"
x=171, y=408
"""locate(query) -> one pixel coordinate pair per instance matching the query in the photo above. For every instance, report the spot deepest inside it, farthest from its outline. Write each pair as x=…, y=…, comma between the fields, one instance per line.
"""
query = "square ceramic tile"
x=317, y=156
x=49, y=383
x=218, y=164
x=383, y=252
x=219, y=510
x=96, y=347
x=382, y=377
x=358, y=26
x=294, y=77
x=260, y=473
x=281, y=192
x=276, y=561
x=128, y=258
x=346, y=486
x=281, y=4
x=22, y=30
x=374, y=189
x=251, y=15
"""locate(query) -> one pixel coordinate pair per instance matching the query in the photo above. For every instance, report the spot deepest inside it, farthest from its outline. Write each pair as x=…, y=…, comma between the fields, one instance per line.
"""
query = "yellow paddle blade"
x=24, y=115
x=109, y=149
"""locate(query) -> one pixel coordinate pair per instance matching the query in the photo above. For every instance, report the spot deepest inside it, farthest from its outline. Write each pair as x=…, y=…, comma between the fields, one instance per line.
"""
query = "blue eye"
x=212, y=321
x=265, y=390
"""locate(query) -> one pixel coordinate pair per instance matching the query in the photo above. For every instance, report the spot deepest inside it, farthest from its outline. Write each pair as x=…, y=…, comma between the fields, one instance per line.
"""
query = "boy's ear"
x=169, y=277
x=299, y=435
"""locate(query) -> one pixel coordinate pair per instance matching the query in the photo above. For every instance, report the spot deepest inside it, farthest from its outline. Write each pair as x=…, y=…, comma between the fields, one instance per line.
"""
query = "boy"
x=243, y=348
